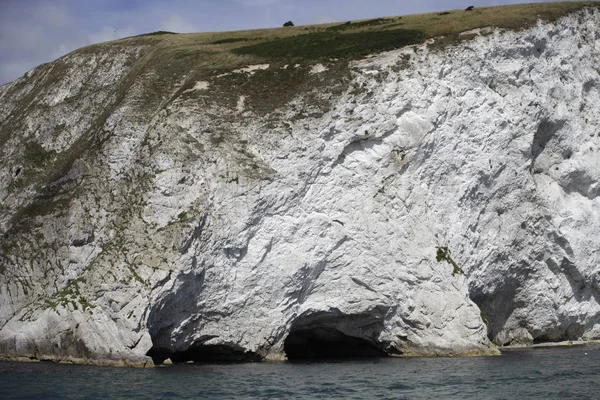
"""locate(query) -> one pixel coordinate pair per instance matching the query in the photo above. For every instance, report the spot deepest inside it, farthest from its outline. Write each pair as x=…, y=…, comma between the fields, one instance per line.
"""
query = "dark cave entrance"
x=203, y=354
x=314, y=343
x=159, y=354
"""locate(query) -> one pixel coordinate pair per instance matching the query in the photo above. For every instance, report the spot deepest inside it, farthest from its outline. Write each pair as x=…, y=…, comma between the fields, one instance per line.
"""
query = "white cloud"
x=175, y=23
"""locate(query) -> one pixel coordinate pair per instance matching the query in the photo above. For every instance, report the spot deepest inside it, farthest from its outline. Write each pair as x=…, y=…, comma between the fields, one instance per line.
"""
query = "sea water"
x=548, y=373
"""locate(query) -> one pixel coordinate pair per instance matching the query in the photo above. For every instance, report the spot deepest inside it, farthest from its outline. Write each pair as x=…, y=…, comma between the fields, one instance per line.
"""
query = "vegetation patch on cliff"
x=231, y=40
x=70, y=295
x=443, y=254
x=35, y=154
x=354, y=25
x=157, y=33
x=332, y=44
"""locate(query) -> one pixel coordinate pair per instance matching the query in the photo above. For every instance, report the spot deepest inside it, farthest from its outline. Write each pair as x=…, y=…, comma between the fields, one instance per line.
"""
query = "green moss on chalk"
x=443, y=254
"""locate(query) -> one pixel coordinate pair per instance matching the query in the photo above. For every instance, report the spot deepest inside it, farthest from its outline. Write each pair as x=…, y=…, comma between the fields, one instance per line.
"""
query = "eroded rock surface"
x=227, y=217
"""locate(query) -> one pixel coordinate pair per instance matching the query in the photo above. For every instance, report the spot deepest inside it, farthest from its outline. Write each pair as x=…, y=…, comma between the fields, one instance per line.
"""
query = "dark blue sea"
x=550, y=373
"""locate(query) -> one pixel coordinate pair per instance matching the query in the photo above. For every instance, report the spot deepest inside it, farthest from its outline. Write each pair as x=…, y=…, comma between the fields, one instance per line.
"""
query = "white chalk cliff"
x=151, y=211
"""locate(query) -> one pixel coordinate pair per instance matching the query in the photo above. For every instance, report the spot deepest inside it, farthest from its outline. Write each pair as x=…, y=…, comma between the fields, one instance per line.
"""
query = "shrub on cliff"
x=443, y=254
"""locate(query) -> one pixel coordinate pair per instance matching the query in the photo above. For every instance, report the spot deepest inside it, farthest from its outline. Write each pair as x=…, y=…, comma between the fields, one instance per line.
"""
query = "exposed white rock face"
x=197, y=228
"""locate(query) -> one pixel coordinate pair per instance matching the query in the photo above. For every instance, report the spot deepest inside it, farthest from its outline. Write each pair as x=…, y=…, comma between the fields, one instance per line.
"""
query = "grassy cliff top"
x=352, y=39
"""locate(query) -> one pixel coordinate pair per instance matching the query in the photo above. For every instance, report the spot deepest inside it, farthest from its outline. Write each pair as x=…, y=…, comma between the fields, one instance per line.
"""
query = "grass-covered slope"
x=349, y=39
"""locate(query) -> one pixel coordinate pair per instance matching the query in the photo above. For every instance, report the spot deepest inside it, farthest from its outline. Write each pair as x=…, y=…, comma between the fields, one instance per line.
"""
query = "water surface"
x=553, y=373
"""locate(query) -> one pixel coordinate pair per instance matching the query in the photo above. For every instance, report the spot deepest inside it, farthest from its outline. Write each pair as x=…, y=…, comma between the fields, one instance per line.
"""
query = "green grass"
x=484, y=317
x=36, y=155
x=331, y=44
x=157, y=33
x=70, y=295
x=231, y=40
x=361, y=24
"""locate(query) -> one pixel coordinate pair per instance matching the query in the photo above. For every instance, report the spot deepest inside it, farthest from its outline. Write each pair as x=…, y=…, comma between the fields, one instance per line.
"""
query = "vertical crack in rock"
x=196, y=234
x=498, y=303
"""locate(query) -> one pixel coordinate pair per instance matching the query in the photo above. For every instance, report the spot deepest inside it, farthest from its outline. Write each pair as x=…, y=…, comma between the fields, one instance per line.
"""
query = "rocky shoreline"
x=566, y=343
x=146, y=362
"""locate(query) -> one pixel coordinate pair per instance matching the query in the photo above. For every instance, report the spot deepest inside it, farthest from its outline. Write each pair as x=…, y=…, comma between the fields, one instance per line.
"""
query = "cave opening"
x=159, y=354
x=203, y=354
x=314, y=343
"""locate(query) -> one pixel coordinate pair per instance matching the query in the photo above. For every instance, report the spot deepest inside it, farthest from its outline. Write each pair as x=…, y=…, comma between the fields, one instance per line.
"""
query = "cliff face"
x=149, y=208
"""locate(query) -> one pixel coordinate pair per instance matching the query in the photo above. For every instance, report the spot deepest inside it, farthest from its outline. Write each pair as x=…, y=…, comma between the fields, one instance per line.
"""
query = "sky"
x=33, y=32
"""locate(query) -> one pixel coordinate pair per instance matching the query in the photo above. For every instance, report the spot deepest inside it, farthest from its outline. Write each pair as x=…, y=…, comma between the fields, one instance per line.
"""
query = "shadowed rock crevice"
x=573, y=331
x=581, y=181
x=549, y=149
x=498, y=304
x=172, y=313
